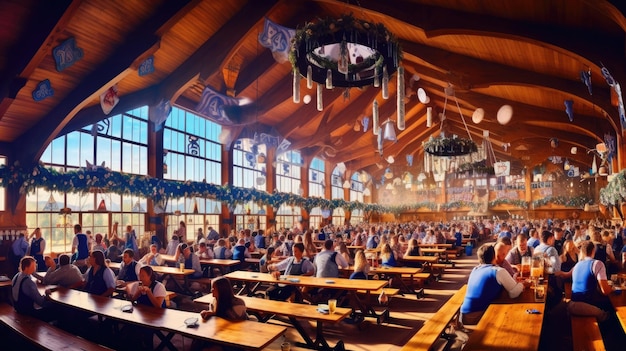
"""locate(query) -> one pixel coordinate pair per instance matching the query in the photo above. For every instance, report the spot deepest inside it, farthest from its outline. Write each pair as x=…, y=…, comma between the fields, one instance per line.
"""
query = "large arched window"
x=288, y=172
x=288, y=217
x=356, y=188
x=119, y=143
x=339, y=216
x=192, y=152
x=337, y=184
x=315, y=218
x=316, y=178
x=249, y=164
x=250, y=216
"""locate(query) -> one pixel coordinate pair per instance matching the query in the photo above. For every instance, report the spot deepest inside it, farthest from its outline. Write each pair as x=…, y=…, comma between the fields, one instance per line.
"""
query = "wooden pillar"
x=155, y=222
x=227, y=219
x=304, y=185
x=270, y=182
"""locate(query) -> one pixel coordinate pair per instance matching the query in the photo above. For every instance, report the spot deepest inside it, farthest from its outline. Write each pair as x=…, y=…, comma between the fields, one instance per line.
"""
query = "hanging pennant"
x=365, y=121
x=146, y=67
x=109, y=99
x=569, y=109
x=409, y=160
x=277, y=38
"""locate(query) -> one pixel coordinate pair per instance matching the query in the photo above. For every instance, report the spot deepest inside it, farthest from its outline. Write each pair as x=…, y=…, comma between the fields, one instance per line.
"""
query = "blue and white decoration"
x=146, y=67
x=569, y=109
x=67, y=54
x=611, y=148
x=585, y=77
x=618, y=91
x=162, y=111
x=409, y=160
x=43, y=90
x=193, y=148
x=277, y=38
x=212, y=105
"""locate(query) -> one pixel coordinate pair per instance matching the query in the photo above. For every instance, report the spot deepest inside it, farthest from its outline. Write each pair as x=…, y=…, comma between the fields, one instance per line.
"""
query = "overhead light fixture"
x=389, y=132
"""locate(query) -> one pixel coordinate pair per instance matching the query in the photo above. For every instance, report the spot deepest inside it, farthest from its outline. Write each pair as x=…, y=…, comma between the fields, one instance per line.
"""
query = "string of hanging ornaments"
x=347, y=52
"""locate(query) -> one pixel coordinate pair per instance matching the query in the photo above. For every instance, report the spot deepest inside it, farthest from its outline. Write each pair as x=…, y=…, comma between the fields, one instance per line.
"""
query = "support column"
x=227, y=219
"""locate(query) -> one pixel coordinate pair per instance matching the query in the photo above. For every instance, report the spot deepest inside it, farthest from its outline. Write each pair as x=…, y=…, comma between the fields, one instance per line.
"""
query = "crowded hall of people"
x=312, y=174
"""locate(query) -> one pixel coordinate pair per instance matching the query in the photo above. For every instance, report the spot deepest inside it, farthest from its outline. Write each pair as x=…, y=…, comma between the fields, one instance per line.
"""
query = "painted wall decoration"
x=67, y=54
x=193, y=147
x=43, y=90
x=162, y=111
x=109, y=99
x=212, y=105
x=277, y=38
x=146, y=67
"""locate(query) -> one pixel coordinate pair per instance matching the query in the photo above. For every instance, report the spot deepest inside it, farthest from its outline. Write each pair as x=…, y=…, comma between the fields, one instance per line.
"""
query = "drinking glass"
x=540, y=293
x=332, y=306
x=182, y=267
x=286, y=346
x=526, y=262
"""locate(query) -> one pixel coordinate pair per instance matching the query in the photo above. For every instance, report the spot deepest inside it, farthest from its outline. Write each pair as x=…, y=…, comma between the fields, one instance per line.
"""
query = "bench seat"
x=42, y=334
x=435, y=326
x=586, y=334
x=388, y=292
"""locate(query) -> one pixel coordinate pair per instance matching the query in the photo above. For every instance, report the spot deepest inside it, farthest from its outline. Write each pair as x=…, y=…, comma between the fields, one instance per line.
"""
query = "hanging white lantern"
x=296, y=87
x=375, y=127
x=429, y=117
x=329, y=79
x=385, y=86
x=594, y=166
x=376, y=76
x=400, y=101
x=389, y=131
x=309, y=77
x=320, y=103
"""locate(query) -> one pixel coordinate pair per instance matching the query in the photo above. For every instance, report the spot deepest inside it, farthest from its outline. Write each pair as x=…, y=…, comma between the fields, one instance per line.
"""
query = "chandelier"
x=344, y=52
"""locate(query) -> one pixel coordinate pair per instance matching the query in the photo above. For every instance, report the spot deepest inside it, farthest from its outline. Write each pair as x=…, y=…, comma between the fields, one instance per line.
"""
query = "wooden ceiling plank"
x=111, y=70
x=208, y=59
x=47, y=19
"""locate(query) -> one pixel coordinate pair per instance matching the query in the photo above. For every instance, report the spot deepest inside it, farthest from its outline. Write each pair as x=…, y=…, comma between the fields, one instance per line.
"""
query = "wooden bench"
x=586, y=334
x=436, y=325
x=42, y=334
x=388, y=292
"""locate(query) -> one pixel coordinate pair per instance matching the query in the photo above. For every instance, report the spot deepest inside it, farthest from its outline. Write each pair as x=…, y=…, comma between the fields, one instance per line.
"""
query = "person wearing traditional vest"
x=294, y=265
x=221, y=251
x=240, y=252
x=37, y=247
x=190, y=259
x=148, y=291
x=328, y=262
x=80, y=246
x=485, y=284
x=129, y=269
x=99, y=279
x=152, y=258
x=24, y=291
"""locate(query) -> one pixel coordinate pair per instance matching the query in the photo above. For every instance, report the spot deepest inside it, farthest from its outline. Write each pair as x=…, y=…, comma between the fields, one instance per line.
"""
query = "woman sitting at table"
x=148, y=291
x=99, y=279
x=569, y=258
x=413, y=250
x=226, y=304
x=387, y=257
x=343, y=251
x=361, y=268
x=265, y=260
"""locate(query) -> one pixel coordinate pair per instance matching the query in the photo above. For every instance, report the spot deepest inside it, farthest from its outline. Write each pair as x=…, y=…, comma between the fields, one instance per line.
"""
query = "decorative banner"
x=67, y=54
x=277, y=38
x=573, y=172
x=502, y=169
x=409, y=160
x=569, y=109
x=109, y=99
x=43, y=90
x=609, y=141
x=146, y=67
x=212, y=105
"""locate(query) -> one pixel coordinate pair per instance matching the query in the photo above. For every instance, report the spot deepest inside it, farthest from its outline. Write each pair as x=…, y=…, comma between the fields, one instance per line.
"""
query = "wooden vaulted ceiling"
x=525, y=54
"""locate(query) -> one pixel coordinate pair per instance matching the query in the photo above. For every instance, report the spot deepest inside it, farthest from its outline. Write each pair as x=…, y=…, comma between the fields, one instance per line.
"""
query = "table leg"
x=165, y=341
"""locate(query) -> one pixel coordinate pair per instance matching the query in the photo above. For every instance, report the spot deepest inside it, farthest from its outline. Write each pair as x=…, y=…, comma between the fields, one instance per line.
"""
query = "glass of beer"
x=182, y=267
x=332, y=306
x=525, y=268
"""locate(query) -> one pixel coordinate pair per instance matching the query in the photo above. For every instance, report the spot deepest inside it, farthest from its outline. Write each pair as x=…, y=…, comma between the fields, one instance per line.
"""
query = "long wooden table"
x=175, y=272
x=618, y=299
x=393, y=272
x=241, y=334
x=507, y=326
x=254, y=279
x=265, y=309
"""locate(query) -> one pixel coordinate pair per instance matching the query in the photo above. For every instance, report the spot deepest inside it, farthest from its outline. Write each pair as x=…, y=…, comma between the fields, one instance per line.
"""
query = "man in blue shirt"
x=485, y=284
x=18, y=250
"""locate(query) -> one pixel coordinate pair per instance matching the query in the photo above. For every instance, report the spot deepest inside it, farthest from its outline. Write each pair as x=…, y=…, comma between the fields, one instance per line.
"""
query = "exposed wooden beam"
x=217, y=48
x=47, y=20
x=113, y=69
x=307, y=113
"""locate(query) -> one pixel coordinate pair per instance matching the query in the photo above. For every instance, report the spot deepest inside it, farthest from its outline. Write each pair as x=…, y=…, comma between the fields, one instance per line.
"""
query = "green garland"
x=574, y=202
x=615, y=190
x=515, y=203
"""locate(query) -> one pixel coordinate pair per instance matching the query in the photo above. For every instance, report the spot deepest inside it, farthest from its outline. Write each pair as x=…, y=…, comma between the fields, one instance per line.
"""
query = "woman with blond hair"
x=361, y=267
x=387, y=257
x=569, y=258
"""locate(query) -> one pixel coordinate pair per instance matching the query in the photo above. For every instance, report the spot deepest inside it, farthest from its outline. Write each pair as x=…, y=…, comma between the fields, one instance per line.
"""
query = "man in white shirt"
x=152, y=258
